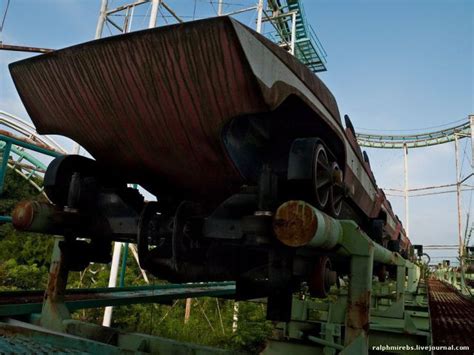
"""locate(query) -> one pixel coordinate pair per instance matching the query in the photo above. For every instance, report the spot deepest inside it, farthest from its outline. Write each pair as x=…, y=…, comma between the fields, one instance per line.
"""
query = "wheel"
x=394, y=246
x=336, y=192
x=322, y=278
x=183, y=228
x=147, y=228
x=59, y=174
x=376, y=230
x=322, y=179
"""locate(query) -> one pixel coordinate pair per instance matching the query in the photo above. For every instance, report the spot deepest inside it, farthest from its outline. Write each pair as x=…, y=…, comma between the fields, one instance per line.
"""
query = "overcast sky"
x=392, y=65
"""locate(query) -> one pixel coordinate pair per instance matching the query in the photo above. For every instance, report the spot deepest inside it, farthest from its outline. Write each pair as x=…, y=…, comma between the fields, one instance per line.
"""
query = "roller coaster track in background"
x=19, y=142
x=415, y=140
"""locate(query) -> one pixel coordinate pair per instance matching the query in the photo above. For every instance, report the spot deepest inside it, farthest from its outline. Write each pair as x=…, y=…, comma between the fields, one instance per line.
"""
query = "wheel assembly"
x=62, y=171
x=322, y=278
x=147, y=227
x=183, y=226
x=322, y=179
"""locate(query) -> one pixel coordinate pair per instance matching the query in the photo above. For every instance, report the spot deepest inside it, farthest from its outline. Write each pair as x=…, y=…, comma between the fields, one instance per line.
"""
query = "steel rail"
x=26, y=302
x=414, y=140
x=28, y=130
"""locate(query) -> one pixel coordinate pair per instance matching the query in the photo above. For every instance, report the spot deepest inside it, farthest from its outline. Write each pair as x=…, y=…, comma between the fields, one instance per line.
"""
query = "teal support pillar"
x=401, y=280
x=124, y=265
x=413, y=271
x=4, y=166
x=361, y=251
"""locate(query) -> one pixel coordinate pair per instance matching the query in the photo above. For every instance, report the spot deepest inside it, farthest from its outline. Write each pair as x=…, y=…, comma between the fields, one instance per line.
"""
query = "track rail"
x=18, y=143
x=452, y=317
x=27, y=302
x=414, y=140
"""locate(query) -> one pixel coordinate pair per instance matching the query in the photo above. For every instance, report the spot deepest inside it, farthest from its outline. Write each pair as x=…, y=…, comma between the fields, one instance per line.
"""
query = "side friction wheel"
x=336, y=194
x=322, y=179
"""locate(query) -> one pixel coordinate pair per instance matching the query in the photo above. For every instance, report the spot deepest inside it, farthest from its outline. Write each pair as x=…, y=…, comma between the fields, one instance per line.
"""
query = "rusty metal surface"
x=151, y=105
x=452, y=316
x=22, y=215
x=295, y=224
x=10, y=47
x=30, y=140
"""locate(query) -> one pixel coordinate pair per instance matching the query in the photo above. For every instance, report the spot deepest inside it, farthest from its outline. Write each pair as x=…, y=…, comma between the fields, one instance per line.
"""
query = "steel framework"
x=288, y=25
x=419, y=140
x=18, y=142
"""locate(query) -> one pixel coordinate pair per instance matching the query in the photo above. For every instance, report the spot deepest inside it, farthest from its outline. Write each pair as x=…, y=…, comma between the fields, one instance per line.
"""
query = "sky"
x=392, y=65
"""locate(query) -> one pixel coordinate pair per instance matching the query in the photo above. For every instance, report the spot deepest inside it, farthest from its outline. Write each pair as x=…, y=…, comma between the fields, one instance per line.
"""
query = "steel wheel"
x=336, y=194
x=322, y=278
x=321, y=177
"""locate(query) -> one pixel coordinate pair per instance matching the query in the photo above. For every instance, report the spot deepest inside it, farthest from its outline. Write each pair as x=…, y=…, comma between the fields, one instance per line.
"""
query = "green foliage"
x=24, y=257
x=14, y=276
x=24, y=264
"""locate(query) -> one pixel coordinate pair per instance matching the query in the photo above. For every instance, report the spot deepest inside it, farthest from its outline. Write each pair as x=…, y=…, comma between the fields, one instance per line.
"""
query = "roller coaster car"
x=221, y=125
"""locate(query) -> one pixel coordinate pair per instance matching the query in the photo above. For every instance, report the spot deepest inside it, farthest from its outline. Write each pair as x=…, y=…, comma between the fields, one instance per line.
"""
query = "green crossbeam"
x=26, y=302
x=414, y=140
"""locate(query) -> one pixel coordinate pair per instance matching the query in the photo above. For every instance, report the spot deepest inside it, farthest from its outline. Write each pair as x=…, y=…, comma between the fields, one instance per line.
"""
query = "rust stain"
x=52, y=282
x=295, y=223
x=358, y=313
x=29, y=140
x=22, y=215
x=451, y=316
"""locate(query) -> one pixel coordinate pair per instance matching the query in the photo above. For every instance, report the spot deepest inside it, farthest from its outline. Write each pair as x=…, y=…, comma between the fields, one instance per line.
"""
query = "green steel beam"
x=29, y=146
x=29, y=158
x=124, y=265
x=32, y=301
x=415, y=140
x=3, y=167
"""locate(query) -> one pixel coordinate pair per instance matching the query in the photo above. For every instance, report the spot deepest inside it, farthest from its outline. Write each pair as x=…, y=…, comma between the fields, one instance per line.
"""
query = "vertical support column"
x=155, y=4
x=471, y=121
x=187, y=310
x=401, y=279
x=112, y=281
x=413, y=277
x=123, y=269
x=126, y=21
x=54, y=309
x=4, y=166
x=235, y=317
x=458, y=200
x=259, y=15
x=102, y=19
x=407, y=216
x=293, y=32
x=219, y=8
x=358, y=301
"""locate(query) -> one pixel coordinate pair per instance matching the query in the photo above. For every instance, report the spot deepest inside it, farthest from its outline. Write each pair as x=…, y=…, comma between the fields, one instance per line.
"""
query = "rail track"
x=452, y=317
